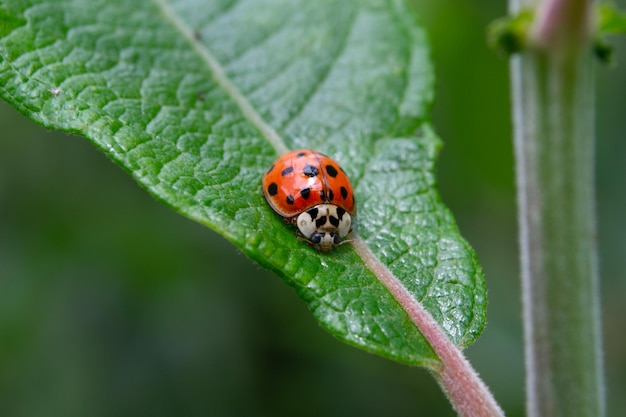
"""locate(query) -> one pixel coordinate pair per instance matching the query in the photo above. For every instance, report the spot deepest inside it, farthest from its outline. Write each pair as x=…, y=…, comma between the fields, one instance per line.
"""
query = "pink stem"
x=562, y=24
x=466, y=391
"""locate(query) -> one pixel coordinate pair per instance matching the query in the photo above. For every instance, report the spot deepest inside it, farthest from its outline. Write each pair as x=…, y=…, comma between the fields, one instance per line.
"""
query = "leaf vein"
x=324, y=76
x=222, y=79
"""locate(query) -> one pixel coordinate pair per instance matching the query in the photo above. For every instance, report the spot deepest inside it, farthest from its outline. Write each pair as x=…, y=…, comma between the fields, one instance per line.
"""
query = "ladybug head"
x=324, y=226
x=324, y=241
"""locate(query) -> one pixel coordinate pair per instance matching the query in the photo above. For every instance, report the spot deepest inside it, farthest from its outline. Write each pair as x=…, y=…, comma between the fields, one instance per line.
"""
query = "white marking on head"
x=324, y=225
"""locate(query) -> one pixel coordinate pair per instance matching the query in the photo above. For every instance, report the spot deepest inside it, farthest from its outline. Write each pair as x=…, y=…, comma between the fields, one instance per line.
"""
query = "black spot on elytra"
x=344, y=192
x=331, y=195
x=289, y=199
x=313, y=213
x=286, y=171
x=305, y=193
x=331, y=170
x=300, y=154
x=272, y=189
x=340, y=212
x=322, y=195
x=334, y=221
x=310, y=171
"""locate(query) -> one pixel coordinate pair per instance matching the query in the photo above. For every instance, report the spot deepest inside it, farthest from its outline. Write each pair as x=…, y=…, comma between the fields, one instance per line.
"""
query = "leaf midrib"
x=220, y=77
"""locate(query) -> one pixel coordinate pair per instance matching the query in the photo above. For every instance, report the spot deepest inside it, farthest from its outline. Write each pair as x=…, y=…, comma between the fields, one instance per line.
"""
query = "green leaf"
x=508, y=35
x=610, y=20
x=9, y=22
x=196, y=99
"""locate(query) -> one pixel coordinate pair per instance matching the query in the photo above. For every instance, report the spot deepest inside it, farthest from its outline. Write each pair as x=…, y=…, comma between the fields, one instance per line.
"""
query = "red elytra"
x=304, y=178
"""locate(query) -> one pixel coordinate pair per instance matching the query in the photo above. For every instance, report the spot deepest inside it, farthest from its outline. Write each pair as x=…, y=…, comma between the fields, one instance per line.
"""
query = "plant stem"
x=468, y=394
x=552, y=84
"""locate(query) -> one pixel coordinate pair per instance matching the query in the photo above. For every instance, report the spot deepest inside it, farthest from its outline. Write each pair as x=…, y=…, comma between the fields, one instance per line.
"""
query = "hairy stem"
x=465, y=390
x=552, y=85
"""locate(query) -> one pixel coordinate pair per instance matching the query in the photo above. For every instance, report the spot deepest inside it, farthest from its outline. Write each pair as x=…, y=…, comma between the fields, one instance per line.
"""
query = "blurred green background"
x=113, y=305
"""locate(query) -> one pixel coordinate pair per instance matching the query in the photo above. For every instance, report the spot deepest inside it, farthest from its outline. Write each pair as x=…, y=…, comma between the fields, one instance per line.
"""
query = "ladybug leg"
x=300, y=236
x=304, y=239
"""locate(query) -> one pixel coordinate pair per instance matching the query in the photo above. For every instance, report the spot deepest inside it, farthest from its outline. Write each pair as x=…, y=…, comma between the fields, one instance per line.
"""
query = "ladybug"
x=310, y=189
